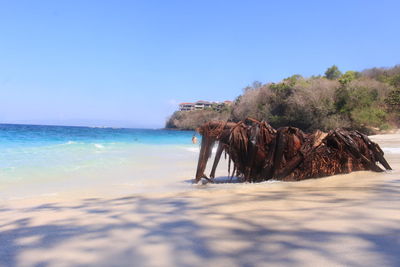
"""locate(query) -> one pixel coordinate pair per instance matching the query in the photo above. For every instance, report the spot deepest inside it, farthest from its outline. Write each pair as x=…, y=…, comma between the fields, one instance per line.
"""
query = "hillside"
x=368, y=101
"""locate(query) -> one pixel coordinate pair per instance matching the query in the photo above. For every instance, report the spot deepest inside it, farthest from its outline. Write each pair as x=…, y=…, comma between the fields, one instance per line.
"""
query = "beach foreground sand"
x=351, y=220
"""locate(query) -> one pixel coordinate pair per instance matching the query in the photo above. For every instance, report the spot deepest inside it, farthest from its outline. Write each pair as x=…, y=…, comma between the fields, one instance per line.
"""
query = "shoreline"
x=388, y=142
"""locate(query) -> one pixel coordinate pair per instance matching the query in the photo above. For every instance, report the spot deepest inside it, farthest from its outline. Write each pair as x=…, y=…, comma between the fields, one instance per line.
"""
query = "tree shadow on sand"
x=184, y=231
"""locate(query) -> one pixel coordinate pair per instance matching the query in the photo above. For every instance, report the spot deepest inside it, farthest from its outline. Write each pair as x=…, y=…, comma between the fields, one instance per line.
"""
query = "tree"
x=293, y=79
x=256, y=85
x=333, y=73
x=395, y=80
x=393, y=100
x=348, y=77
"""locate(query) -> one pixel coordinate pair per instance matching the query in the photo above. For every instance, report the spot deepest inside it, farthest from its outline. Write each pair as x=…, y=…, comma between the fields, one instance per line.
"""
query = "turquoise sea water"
x=53, y=154
x=17, y=136
x=41, y=160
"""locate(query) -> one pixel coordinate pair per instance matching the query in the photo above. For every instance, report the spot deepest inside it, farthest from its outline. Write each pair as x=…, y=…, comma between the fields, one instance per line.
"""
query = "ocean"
x=37, y=159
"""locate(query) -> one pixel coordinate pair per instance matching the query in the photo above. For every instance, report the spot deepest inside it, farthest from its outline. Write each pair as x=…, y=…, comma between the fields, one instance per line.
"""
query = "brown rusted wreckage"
x=259, y=152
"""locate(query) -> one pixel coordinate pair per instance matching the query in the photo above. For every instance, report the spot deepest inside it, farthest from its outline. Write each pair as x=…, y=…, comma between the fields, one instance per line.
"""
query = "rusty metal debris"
x=259, y=152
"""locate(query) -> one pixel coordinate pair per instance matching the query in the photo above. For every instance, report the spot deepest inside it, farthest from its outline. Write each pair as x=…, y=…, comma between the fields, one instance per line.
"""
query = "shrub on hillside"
x=353, y=100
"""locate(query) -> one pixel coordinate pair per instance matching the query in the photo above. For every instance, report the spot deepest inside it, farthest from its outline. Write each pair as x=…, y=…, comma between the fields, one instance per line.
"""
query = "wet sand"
x=350, y=220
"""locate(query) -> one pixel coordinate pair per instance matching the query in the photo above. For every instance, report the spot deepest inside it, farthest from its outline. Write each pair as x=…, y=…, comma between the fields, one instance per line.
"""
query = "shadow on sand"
x=190, y=231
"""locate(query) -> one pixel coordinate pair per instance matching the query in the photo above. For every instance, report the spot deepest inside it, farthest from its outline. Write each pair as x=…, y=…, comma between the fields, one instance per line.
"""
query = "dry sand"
x=351, y=220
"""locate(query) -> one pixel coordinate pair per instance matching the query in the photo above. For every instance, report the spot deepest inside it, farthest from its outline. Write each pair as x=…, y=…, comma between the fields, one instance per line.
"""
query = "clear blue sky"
x=128, y=63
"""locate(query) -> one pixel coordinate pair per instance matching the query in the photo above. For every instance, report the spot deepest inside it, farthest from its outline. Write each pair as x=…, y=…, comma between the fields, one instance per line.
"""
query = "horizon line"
x=84, y=126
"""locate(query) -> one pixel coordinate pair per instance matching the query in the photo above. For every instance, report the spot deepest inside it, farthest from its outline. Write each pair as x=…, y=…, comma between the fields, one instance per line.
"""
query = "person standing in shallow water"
x=194, y=139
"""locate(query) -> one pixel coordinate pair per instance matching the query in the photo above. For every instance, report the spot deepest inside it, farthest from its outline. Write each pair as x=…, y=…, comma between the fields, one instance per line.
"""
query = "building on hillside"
x=201, y=104
x=186, y=106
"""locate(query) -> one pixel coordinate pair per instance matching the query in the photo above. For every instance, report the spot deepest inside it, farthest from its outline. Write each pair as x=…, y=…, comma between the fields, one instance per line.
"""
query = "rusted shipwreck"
x=259, y=152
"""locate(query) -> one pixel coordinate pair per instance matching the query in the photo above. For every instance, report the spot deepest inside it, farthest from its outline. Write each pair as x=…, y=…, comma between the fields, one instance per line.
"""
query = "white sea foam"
x=71, y=142
x=98, y=146
x=391, y=150
x=197, y=149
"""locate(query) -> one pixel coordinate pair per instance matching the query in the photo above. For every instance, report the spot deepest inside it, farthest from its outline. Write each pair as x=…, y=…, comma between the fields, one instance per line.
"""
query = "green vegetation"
x=333, y=73
x=368, y=101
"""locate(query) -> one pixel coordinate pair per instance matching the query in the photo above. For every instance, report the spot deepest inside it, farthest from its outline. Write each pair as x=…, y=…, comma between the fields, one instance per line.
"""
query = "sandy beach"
x=343, y=220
